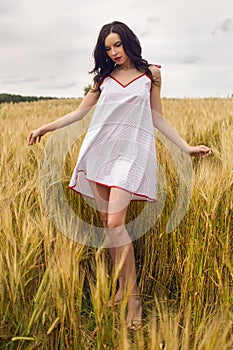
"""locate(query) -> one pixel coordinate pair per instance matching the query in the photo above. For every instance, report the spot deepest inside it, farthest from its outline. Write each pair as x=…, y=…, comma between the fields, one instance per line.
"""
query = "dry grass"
x=54, y=292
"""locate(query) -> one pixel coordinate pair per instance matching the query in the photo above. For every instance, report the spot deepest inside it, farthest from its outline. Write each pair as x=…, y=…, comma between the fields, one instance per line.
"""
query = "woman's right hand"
x=35, y=136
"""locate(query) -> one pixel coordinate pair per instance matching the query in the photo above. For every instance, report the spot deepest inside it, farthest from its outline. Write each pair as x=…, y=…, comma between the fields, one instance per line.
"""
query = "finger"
x=207, y=152
x=32, y=140
x=29, y=138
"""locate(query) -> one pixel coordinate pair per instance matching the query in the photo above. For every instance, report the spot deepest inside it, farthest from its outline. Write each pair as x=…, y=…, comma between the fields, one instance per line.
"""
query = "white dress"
x=119, y=147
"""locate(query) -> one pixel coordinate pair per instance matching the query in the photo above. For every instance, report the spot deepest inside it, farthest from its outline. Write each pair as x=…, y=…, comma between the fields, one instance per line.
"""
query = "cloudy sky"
x=46, y=45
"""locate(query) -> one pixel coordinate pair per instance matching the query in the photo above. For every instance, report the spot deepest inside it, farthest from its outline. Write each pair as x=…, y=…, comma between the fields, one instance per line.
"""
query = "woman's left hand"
x=199, y=151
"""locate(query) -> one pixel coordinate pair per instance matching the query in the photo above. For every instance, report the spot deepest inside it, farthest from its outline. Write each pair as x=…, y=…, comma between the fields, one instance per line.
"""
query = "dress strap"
x=157, y=65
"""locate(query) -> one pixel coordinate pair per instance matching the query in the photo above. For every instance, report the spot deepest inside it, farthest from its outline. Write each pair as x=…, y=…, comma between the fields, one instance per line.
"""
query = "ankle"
x=121, y=280
x=135, y=292
x=135, y=297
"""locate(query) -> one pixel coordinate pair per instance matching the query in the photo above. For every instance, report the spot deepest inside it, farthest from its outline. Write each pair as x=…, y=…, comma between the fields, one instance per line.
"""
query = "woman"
x=117, y=160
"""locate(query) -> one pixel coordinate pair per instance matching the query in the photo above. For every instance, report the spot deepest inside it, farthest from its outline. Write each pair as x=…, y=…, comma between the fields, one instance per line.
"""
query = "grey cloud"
x=170, y=54
x=8, y=34
x=225, y=26
x=191, y=59
x=8, y=6
x=152, y=19
x=58, y=86
x=147, y=28
x=54, y=41
x=15, y=80
x=29, y=80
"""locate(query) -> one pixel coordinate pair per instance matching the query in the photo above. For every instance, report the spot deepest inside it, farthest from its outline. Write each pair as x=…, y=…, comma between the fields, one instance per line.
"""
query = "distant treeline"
x=18, y=98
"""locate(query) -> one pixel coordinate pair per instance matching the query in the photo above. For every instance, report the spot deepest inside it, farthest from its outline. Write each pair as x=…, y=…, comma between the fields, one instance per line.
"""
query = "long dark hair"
x=104, y=65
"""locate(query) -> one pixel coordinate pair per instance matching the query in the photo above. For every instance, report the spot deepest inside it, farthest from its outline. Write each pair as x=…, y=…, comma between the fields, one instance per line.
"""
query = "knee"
x=113, y=223
x=117, y=233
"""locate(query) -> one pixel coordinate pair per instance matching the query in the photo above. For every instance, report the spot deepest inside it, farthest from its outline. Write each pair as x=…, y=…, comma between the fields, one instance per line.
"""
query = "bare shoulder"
x=155, y=70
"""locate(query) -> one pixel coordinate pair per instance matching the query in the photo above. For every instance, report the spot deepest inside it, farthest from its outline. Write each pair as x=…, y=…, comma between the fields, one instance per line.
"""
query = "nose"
x=113, y=51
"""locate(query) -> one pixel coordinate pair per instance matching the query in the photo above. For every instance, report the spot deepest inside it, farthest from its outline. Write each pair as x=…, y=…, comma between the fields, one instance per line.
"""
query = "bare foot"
x=117, y=298
x=134, y=316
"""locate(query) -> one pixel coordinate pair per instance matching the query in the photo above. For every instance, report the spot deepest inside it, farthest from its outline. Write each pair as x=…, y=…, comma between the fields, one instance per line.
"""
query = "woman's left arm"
x=164, y=126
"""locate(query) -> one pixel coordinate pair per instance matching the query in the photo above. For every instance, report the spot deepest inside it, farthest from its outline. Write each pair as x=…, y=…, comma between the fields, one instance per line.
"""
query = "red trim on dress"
x=121, y=188
x=124, y=86
x=157, y=65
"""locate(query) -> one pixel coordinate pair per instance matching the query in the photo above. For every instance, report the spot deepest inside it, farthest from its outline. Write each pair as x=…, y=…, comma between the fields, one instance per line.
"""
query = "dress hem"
x=146, y=198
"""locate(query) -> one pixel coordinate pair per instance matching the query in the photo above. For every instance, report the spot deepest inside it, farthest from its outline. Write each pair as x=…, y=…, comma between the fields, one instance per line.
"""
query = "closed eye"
x=117, y=44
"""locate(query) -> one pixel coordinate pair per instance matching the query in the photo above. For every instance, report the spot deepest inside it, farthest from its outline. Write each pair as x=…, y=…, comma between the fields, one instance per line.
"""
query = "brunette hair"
x=103, y=65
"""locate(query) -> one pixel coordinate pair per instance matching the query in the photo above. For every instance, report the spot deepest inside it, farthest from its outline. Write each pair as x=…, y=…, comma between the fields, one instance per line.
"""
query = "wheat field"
x=54, y=292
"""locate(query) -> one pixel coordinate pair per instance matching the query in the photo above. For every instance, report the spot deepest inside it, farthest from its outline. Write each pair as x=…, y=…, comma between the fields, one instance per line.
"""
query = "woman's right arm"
x=87, y=103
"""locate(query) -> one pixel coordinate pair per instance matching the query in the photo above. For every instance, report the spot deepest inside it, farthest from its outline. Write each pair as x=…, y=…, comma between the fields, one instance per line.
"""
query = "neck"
x=126, y=66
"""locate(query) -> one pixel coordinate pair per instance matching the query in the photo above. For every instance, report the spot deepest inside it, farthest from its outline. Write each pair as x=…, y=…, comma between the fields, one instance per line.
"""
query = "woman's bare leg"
x=124, y=252
x=101, y=194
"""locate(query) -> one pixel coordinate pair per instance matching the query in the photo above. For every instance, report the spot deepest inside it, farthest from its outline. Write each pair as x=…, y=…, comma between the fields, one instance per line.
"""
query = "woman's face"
x=114, y=49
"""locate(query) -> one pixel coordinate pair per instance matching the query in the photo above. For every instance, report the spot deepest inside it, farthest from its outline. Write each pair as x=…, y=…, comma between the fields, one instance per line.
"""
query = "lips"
x=117, y=59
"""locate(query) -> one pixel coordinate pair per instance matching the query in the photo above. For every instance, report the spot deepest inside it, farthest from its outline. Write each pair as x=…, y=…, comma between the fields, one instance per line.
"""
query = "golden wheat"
x=54, y=292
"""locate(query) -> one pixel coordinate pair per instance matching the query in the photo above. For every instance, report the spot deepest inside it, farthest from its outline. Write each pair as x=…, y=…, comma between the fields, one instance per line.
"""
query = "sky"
x=47, y=46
